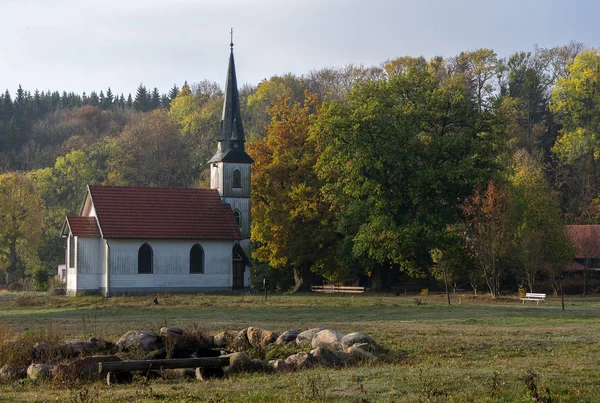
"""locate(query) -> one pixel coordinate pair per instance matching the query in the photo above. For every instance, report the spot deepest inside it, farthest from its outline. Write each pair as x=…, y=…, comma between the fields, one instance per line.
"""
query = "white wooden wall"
x=170, y=265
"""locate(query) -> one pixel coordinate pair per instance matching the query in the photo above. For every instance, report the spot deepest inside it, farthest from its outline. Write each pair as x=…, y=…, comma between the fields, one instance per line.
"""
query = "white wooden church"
x=129, y=240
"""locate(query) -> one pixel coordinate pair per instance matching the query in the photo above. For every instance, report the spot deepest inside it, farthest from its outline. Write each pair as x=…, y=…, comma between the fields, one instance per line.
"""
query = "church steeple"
x=230, y=136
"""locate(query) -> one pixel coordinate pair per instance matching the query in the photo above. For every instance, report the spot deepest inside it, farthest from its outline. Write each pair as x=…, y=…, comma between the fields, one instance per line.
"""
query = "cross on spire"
x=231, y=34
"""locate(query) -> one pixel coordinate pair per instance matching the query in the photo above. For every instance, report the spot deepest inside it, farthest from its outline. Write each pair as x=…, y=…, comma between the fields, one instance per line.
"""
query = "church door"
x=238, y=269
x=238, y=274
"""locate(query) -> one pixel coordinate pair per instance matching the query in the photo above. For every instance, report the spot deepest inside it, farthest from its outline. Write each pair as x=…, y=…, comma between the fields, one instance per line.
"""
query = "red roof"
x=163, y=213
x=84, y=226
x=585, y=240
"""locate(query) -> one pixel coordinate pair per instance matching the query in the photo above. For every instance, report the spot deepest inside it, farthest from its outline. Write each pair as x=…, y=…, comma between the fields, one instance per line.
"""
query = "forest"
x=462, y=169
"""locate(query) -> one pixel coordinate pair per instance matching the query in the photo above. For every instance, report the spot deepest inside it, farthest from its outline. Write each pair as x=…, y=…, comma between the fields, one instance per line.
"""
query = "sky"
x=83, y=45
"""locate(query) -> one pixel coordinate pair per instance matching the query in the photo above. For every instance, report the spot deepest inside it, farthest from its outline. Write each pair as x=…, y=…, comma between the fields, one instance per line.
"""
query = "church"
x=128, y=240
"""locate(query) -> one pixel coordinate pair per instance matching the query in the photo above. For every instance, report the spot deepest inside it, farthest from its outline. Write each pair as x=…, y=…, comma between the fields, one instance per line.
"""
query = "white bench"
x=531, y=296
x=337, y=289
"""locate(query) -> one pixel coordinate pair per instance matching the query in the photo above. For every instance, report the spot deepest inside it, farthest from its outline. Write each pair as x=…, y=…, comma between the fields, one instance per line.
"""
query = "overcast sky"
x=81, y=45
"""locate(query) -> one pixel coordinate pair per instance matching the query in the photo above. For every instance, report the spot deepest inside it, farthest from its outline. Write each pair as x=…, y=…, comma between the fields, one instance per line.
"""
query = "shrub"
x=16, y=286
x=40, y=279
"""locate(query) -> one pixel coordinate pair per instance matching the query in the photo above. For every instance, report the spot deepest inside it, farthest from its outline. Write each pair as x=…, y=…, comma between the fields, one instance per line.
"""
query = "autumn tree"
x=489, y=233
x=151, y=152
x=21, y=223
x=576, y=105
x=291, y=224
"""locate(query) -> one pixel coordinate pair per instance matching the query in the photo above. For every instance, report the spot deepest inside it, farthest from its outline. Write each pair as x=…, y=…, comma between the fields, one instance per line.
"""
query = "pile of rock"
x=78, y=359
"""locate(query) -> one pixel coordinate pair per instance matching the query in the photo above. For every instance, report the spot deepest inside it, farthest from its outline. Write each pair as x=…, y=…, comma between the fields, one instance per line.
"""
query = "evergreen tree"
x=94, y=100
x=173, y=92
x=109, y=99
x=141, y=102
x=155, y=100
x=102, y=100
x=165, y=101
x=129, y=101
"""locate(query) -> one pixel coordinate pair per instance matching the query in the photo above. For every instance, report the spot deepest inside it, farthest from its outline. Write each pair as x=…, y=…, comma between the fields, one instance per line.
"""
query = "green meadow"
x=476, y=350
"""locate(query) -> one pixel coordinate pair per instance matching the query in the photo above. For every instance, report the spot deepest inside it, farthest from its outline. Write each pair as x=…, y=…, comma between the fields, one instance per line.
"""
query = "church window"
x=71, y=251
x=196, y=259
x=145, y=259
x=237, y=179
x=238, y=217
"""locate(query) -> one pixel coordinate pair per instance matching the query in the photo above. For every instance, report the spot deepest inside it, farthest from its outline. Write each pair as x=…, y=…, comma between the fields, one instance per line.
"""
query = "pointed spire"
x=230, y=134
x=233, y=132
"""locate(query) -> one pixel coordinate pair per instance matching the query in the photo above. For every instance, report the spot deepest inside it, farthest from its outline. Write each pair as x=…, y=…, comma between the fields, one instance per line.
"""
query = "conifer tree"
x=129, y=101
x=173, y=92
x=155, y=100
x=94, y=100
x=141, y=103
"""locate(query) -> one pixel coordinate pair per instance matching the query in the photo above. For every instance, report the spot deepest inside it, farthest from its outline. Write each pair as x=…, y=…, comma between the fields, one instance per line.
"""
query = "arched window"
x=145, y=259
x=238, y=217
x=236, y=180
x=196, y=259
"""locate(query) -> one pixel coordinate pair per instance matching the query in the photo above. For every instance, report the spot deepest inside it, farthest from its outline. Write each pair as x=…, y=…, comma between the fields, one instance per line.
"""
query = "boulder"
x=358, y=353
x=260, y=337
x=341, y=358
x=240, y=340
x=300, y=361
x=41, y=371
x=324, y=356
x=171, y=336
x=329, y=339
x=353, y=338
x=288, y=336
x=277, y=365
x=77, y=347
x=147, y=341
x=223, y=339
x=10, y=373
x=238, y=362
x=85, y=368
x=307, y=336
x=46, y=352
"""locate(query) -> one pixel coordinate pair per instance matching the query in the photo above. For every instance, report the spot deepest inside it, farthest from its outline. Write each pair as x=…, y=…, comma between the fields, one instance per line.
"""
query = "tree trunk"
x=446, y=281
x=12, y=268
x=300, y=273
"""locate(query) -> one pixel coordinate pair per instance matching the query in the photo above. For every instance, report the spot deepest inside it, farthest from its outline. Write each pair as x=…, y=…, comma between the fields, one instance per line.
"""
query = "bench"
x=337, y=289
x=530, y=296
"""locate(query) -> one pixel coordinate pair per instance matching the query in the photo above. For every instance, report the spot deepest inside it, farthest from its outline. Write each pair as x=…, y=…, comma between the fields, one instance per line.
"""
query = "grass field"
x=479, y=350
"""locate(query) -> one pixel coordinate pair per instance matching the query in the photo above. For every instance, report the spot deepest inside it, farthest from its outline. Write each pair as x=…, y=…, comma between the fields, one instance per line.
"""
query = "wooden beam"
x=146, y=365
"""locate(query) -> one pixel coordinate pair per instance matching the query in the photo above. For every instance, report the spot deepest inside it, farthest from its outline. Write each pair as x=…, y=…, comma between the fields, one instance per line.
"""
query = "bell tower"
x=230, y=166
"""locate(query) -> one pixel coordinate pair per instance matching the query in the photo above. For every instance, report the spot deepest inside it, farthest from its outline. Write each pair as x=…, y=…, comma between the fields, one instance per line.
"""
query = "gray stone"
x=238, y=362
x=77, y=347
x=240, y=341
x=353, y=338
x=288, y=336
x=307, y=336
x=85, y=368
x=223, y=339
x=300, y=361
x=171, y=336
x=41, y=371
x=10, y=373
x=260, y=337
x=147, y=341
x=324, y=356
x=278, y=365
x=329, y=339
x=358, y=353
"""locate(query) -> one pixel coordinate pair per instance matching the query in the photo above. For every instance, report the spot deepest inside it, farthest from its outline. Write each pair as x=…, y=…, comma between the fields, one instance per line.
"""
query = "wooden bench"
x=531, y=296
x=337, y=289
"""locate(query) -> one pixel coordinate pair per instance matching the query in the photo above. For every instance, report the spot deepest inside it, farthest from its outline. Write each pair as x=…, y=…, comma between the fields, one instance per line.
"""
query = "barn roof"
x=585, y=240
x=83, y=226
x=162, y=213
